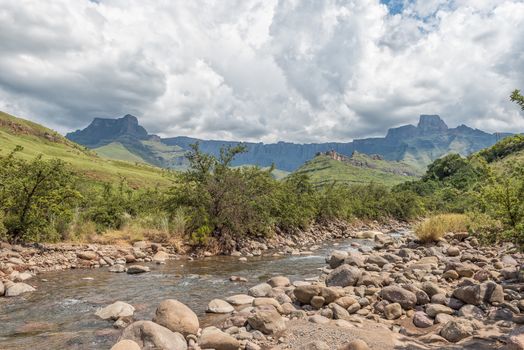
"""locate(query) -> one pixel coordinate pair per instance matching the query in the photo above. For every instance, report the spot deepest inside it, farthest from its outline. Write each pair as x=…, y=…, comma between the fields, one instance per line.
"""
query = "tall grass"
x=437, y=226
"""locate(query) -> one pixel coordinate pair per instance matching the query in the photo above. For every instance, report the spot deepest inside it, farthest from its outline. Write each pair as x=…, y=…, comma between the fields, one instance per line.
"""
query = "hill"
x=37, y=139
x=416, y=145
x=359, y=168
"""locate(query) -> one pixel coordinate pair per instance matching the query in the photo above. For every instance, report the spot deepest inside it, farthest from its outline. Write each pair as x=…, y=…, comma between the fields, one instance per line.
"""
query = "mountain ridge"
x=416, y=145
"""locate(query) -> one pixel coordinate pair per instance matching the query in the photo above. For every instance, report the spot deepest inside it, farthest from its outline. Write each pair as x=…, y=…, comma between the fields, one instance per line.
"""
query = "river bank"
x=18, y=264
x=398, y=294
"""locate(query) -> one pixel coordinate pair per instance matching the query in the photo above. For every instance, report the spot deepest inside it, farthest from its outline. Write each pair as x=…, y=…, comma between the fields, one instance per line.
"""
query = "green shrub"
x=38, y=197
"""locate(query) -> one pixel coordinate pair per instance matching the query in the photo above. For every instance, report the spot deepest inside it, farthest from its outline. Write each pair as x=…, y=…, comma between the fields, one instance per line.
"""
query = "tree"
x=38, y=197
x=517, y=98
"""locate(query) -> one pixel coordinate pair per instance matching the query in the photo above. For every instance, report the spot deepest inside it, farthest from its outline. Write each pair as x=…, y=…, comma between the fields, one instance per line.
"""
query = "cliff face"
x=103, y=131
x=415, y=145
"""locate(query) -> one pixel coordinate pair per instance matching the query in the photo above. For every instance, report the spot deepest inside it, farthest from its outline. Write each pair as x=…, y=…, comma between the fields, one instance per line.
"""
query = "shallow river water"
x=60, y=314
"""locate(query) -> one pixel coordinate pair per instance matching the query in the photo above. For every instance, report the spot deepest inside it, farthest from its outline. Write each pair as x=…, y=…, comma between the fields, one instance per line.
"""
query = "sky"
x=263, y=70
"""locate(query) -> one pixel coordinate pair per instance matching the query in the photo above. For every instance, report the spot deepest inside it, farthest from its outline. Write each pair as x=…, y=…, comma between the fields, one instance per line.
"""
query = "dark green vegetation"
x=360, y=168
x=418, y=146
x=488, y=186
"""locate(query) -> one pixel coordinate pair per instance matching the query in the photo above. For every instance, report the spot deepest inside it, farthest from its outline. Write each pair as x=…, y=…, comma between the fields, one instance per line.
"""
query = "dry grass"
x=437, y=226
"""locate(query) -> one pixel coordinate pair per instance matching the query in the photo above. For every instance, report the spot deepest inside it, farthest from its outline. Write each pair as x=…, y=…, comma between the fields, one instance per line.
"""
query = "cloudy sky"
x=263, y=70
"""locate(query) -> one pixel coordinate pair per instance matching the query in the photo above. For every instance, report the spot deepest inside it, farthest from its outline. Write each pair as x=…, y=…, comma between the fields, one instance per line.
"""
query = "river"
x=60, y=314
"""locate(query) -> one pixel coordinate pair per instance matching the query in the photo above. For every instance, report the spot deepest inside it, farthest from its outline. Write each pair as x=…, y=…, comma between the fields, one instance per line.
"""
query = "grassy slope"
x=36, y=139
x=324, y=170
x=115, y=150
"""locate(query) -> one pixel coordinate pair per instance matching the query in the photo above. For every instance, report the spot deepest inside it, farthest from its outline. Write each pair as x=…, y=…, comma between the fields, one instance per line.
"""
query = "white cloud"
x=263, y=70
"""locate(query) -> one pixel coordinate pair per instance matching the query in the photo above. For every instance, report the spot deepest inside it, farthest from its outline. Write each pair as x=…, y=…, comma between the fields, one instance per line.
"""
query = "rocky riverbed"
x=381, y=291
x=20, y=263
x=398, y=295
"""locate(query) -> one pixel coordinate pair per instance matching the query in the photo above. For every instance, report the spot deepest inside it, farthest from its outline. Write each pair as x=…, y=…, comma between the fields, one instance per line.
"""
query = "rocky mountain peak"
x=431, y=123
x=102, y=131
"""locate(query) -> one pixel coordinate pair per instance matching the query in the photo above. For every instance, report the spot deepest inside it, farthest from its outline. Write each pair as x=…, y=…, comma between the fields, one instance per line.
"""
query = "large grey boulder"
x=218, y=306
x=456, y=330
x=177, y=317
x=214, y=338
x=343, y=276
x=305, y=293
x=336, y=258
x=16, y=289
x=151, y=336
x=240, y=299
x=126, y=344
x=397, y=294
x=267, y=321
x=115, y=311
x=260, y=290
x=137, y=269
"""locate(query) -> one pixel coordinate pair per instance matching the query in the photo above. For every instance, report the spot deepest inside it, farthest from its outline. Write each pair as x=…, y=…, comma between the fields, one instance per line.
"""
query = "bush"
x=38, y=197
x=436, y=227
x=487, y=229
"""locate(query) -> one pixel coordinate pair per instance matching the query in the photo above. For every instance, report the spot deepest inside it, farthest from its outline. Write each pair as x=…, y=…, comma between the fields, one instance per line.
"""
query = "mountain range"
x=419, y=145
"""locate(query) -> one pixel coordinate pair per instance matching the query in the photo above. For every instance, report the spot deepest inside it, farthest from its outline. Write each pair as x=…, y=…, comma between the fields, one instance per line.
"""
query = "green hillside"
x=36, y=139
x=116, y=150
x=360, y=169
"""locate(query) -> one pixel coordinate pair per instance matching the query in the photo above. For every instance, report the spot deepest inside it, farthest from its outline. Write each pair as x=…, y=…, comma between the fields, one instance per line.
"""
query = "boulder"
x=337, y=258
x=126, y=344
x=87, y=255
x=356, y=344
x=515, y=339
x=317, y=345
x=453, y=251
x=117, y=268
x=377, y=260
x=267, y=321
x=136, y=269
x=16, y=289
x=149, y=335
x=160, y=257
x=346, y=302
x=434, y=309
x=339, y=313
x=279, y=281
x=422, y=320
x=393, y=311
x=354, y=259
x=367, y=234
x=260, y=290
x=218, y=306
x=330, y=294
x=2, y=289
x=177, y=317
x=471, y=311
x=240, y=299
x=456, y=330
x=115, y=311
x=397, y=294
x=470, y=294
x=214, y=338
x=343, y=276
x=306, y=292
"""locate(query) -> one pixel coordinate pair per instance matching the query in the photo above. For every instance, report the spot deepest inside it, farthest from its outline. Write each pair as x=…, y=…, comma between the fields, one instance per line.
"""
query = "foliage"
x=503, y=148
x=517, y=98
x=37, y=196
x=437, y=226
